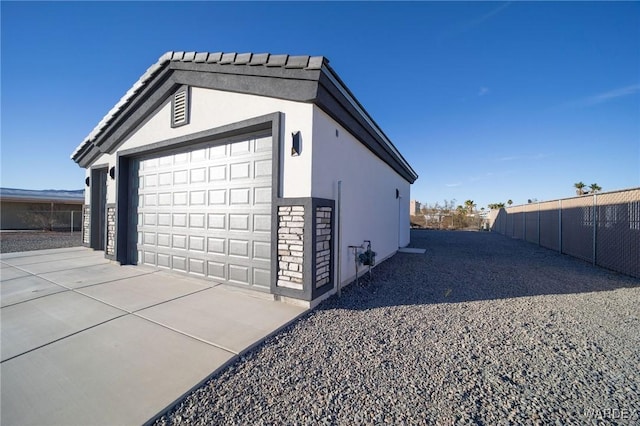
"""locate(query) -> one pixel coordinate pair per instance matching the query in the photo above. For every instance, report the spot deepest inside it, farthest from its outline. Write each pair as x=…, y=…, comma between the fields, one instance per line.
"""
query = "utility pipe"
x=339, y=220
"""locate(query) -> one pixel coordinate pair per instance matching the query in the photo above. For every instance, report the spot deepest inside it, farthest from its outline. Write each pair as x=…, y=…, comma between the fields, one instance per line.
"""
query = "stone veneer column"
x=111, y=231
x=86, y=225
x=323, y=245
x=290, y=247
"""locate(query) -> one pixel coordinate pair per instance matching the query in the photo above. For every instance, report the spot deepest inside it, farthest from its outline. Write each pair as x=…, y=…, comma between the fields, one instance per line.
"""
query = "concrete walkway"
x=85, y=341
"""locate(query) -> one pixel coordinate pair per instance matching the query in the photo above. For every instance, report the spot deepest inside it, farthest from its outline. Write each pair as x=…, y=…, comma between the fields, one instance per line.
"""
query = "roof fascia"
x=299, y=90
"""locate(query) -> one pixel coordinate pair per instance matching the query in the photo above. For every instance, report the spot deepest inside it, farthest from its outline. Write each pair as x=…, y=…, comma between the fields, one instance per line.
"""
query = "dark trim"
x=309, y=291
x=277, y=72
x=322, y=202
x=92, y=154
x=98, y=202
x=251, y=125
x=124, y=214
x=278, y=88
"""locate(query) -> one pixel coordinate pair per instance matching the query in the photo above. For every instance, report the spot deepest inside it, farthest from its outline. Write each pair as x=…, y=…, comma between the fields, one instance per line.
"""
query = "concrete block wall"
x=290, y=247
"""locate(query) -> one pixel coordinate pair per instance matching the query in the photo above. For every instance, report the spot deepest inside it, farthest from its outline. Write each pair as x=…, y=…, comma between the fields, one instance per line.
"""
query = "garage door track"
x=85, y=341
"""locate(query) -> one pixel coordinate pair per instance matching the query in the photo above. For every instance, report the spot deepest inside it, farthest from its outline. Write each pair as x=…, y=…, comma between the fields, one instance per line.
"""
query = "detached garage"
x=252, y=170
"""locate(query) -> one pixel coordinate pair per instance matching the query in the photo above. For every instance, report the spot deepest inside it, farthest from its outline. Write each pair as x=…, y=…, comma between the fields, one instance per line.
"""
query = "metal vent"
x=180, y=108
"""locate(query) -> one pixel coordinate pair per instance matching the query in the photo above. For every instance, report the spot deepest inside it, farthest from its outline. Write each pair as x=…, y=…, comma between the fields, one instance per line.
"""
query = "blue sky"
x=488, y=101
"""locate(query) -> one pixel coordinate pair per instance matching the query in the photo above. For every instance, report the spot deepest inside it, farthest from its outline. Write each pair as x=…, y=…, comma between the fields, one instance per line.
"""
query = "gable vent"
x=180, y=108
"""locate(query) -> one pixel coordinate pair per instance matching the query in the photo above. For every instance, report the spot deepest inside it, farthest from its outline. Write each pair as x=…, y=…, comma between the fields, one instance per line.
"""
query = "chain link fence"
x=46, y=220
x=603, y=229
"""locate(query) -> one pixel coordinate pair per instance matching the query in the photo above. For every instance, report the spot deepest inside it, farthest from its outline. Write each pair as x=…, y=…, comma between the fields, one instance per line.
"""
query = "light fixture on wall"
x=295, y=143
x=87, y=181
x=112, y=172
x=397, y=193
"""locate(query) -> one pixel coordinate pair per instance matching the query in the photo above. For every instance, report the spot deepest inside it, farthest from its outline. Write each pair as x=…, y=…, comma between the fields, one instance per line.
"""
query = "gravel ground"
x=482, y=329
x=11, y=242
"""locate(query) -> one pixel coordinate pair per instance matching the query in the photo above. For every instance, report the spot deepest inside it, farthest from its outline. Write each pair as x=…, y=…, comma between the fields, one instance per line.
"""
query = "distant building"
x=23, y=209
x=414, y=207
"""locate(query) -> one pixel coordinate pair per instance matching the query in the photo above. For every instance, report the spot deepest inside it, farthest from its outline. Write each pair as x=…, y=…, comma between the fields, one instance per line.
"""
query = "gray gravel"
x=482, y=329
x=11, y=242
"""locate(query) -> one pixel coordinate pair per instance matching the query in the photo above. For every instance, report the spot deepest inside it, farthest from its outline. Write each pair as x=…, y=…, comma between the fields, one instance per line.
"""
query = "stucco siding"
x=215, y=108
x=370, y=210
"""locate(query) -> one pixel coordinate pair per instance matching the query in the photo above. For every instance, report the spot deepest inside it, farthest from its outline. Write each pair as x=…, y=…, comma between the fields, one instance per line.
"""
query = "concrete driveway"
x=88, y=342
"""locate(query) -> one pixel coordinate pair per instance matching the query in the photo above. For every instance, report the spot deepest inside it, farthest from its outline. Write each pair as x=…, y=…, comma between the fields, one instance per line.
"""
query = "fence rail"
x=603, y=229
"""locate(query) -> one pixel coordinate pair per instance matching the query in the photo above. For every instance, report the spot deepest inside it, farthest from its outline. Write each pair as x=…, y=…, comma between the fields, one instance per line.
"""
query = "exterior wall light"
x=112, y=172
x=295, y=143
x=87, y=181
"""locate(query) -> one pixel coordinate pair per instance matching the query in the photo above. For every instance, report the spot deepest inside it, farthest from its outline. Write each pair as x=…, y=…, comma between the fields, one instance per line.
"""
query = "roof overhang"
x=296, y=78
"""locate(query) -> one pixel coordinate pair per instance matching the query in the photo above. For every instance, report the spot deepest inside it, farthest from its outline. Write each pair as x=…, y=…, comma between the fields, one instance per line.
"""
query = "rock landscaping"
x=481, y=329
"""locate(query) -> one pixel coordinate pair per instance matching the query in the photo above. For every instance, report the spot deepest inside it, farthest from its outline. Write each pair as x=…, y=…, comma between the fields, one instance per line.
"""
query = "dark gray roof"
x=45, y=195
x=299, y=78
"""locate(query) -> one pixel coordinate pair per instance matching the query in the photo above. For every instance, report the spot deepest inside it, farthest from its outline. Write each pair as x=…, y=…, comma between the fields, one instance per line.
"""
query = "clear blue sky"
x=488, y=101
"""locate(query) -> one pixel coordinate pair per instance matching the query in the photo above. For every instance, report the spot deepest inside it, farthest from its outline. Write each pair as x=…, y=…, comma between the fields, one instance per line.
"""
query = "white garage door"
x=207, y=211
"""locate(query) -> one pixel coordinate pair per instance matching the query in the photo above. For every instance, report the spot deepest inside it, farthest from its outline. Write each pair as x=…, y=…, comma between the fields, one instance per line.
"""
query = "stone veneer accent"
x=111, y=231
x=86, y=225
x=290, y=246
x=323, y=245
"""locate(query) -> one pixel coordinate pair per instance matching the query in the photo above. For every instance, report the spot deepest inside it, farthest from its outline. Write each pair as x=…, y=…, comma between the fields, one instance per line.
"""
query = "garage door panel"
x=217, y=173
x=179, y=241
x=216, y=270
x=263, y=145
x=164, y=219
x=208, y=211
x=240, y=170
x=238, y=222
x=196, y=220
x=179, y=220
x=179, y=263
x=216, y=221
x=261, y=250
x=198, y=175
x=262, y=196
x=197, y=266
x=238, y=273
x=217, y=197
x=216, y=245
x=261, y=277
x=261, y=223
x=164, y=240
x=239, y=196
x=196, y=243
x=239, y=248
x=239, y=148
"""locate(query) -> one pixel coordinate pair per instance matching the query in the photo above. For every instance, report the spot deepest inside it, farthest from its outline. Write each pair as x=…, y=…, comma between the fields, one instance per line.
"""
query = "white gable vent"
x=180, y=107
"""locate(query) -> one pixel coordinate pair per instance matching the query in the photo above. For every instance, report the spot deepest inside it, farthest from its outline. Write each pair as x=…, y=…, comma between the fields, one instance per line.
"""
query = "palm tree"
x=595, y=188
x=469, y=205
x=579, y=188
x=509, y=202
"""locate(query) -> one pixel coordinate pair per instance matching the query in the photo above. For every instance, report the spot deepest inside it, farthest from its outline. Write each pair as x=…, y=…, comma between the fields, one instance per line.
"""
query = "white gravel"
x=481, y=329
